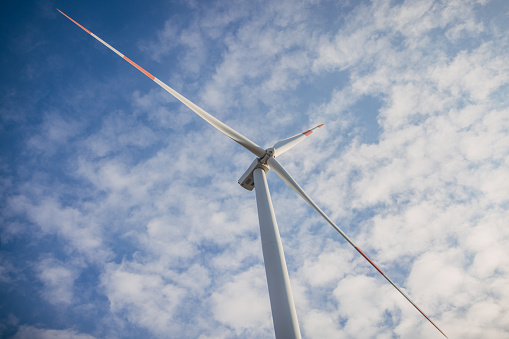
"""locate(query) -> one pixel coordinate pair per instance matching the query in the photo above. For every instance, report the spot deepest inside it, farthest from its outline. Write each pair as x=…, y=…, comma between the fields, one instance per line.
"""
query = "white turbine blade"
x=282, y=146
x=230, y=132
x=274, y=164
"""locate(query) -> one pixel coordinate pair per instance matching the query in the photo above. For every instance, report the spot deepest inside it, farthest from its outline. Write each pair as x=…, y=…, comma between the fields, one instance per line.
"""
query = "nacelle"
x=247, y=179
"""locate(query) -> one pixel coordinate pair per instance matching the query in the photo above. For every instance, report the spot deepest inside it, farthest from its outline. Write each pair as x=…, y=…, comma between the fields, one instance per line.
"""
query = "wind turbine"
x=284, y=315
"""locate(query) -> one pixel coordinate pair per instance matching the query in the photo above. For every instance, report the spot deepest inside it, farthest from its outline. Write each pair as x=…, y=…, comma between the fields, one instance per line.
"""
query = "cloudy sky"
x=121, y=215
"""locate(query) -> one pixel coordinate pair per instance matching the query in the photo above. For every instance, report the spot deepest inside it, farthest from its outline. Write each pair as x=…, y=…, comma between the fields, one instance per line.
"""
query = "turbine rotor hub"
x=269, y=153
x=247, y=179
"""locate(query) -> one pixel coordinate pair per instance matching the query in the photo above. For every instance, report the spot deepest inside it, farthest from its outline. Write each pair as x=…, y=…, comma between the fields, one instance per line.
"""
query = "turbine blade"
x=274, y=164
x=222, y=127
x=282, y=146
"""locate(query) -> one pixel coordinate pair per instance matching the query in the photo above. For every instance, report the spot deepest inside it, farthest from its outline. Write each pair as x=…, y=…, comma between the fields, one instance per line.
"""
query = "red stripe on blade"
x=308, y=132
x=139, y=68
x=425, y=316
x=370, y=261
x=319, y=126
x=86, y=30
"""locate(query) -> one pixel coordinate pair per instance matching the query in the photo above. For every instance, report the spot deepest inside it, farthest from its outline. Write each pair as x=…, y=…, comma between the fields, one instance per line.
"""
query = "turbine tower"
x=282, y=305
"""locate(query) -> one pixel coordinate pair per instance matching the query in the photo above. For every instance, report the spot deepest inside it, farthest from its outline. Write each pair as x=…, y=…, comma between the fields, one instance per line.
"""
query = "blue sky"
x=121, y=215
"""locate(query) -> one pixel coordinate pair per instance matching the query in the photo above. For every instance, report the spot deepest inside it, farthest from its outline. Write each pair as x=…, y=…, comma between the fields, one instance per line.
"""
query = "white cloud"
x=330, y=267
x=68, y=222
x=363, y=302
x=119, y=132
x=320, y=324
x=58, y=281
x=242, y=304
x=8, y=271
x=31, y=332
x=55, y=133
x=143, y=298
